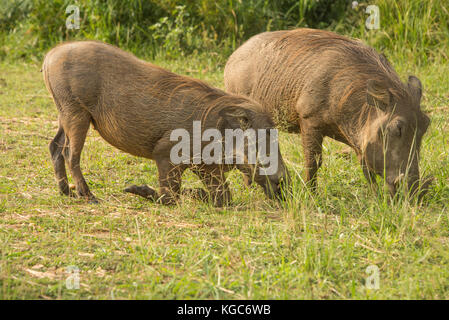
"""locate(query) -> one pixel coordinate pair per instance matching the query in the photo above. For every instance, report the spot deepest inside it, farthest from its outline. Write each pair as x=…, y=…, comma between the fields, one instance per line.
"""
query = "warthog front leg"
x=216, y=184
x=170, y=177
x=312, y=145
x=169, y=183
x=143, y=191
x=74, y=123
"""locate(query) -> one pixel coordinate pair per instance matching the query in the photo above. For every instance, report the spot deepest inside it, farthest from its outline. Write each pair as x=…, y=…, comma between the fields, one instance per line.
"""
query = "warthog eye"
x=398, y=129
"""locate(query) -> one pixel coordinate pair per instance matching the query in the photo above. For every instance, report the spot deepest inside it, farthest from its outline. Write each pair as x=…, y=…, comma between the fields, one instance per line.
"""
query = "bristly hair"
x=301, y=42
x=355, y=63
x=205, y=97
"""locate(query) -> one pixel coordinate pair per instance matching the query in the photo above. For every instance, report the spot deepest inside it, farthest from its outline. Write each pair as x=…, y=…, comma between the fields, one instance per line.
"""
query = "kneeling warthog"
x=319, y=84
x=136, y=106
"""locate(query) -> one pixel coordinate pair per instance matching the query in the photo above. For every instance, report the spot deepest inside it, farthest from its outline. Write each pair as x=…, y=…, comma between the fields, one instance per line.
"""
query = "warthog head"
x=392, y=139
x=262, y=160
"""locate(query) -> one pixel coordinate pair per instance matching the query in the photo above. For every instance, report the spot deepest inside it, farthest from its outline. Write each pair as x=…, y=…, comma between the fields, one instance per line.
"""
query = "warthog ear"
x=237, y=117
x=377, y=95
x=415, y=87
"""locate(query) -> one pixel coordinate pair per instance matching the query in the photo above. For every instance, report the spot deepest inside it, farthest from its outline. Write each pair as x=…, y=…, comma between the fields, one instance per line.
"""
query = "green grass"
x=127, y=247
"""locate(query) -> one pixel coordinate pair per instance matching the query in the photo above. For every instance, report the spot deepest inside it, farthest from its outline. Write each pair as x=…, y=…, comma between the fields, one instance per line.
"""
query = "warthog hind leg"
x=76, y=124
x=58, y=147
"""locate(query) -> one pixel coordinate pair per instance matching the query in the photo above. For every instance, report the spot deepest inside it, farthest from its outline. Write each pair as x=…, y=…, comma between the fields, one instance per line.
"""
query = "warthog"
x=135, y=106
x=319, y=84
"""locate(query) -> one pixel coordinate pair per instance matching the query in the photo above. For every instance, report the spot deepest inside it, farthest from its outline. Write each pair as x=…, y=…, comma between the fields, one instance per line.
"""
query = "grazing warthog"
x=135, y=106
x=319, y=84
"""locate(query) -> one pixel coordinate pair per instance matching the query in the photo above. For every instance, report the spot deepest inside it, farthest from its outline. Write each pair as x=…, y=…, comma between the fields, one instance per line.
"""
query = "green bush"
x=149, y=27
x=413, y=29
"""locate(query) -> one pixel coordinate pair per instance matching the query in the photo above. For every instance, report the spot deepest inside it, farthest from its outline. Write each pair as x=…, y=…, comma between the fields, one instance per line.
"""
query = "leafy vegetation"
x=414, y=30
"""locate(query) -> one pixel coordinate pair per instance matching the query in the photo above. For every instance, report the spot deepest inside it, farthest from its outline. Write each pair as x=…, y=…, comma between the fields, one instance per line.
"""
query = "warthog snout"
x=395, y=183
x=276, y=186
x=414, y=185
